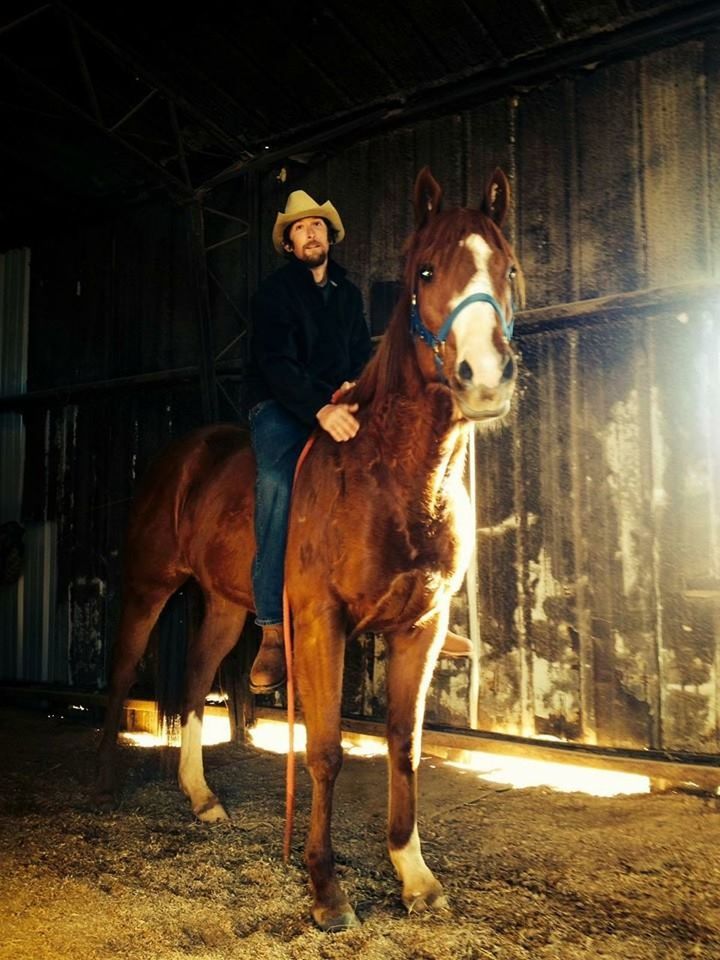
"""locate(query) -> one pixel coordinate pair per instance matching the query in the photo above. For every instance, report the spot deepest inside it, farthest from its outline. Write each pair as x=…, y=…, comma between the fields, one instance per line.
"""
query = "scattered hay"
x=530, y=873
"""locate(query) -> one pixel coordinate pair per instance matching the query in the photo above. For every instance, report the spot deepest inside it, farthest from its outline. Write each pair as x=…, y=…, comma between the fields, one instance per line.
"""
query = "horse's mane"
x=395, y=360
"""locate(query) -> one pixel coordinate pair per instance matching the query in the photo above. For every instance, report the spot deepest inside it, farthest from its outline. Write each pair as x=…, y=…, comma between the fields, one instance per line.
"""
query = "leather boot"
x=268, y=670
x=456, y=646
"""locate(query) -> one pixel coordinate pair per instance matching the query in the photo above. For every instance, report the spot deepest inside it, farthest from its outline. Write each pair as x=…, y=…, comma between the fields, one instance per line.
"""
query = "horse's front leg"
x=319, y=652
x=411, y=659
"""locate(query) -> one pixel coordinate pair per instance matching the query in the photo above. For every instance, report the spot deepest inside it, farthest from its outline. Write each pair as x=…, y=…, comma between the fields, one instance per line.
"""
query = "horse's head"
x=463, y=280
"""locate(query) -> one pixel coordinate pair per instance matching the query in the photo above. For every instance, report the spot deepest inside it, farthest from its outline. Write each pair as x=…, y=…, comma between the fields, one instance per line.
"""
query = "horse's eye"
x=512, y=273
x=426, y=272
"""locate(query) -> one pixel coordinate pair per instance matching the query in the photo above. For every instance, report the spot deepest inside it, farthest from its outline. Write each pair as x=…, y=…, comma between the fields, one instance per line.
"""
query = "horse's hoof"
x=434, y=900
x=211, y=812
x=330, y=921
x=104, y=800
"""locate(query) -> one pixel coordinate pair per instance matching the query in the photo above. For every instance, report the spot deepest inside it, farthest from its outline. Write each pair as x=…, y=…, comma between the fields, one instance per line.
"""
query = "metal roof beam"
x=28, y=16
x=82, y=62
x=138, y=69
x=177, y=188
x=673, y=25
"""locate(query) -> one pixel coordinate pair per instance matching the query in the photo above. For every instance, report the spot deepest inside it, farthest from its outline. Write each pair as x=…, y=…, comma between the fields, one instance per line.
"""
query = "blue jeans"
x=277, y=439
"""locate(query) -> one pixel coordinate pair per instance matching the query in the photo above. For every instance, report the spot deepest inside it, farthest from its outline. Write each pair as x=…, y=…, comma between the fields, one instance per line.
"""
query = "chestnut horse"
x=380, y=531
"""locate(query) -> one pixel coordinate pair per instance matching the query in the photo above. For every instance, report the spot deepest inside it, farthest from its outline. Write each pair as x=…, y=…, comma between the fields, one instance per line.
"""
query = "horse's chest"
x=412, y=561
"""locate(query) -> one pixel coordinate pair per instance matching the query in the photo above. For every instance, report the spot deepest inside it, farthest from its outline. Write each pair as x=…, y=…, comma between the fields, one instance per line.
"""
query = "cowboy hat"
x=299, y=205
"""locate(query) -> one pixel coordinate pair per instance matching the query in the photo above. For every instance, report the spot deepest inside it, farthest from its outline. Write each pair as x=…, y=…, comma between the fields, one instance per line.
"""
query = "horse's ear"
x=496, y=201
x=427, y=197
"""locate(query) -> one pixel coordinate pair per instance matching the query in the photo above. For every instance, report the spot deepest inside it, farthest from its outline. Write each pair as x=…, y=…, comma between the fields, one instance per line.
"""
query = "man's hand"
x=338, y=420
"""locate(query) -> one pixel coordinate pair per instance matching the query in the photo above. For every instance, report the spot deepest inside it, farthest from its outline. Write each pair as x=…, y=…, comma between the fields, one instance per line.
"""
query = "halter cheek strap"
x=437, y=341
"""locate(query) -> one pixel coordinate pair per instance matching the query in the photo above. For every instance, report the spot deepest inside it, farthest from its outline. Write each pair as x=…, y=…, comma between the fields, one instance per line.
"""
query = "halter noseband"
x=437, y=341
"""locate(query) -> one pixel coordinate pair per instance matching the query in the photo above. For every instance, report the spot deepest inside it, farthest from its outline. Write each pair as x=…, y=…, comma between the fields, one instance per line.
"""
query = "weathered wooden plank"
x=712, y=119
x=551, y=606
x=657, y=302
x=674, y=165
x=488, y=144
x=348, y=187
x=502, y=703
x=439, y=145
x=608, y=225
x=542, y=199
x=615, y=534
x=391, y=173
x=686, y=493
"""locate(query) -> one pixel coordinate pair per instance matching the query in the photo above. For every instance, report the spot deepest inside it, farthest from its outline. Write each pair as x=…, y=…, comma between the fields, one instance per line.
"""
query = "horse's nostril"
x=465, y=371
x=509, y=367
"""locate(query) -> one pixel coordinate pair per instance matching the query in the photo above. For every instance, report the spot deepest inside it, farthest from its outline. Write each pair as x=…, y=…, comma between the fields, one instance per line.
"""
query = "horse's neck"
x=422, y=443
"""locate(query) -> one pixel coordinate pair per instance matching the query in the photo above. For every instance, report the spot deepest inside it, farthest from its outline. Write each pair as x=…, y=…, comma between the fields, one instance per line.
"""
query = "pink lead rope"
x=287, y=636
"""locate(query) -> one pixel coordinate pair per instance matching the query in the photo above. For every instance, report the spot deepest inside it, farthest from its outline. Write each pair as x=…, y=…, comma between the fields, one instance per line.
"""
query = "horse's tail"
x=177, y=628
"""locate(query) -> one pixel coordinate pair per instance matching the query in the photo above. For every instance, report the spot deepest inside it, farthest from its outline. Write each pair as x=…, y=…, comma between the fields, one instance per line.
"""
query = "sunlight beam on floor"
x=513, y=771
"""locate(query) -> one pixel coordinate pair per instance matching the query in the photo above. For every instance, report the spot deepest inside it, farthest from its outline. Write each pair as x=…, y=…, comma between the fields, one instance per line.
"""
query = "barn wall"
x=598, y=507
x=14, y=283
x=109, y=302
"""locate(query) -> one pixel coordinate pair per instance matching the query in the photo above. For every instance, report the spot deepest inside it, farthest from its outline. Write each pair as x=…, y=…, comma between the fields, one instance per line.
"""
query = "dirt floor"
x=530, y=873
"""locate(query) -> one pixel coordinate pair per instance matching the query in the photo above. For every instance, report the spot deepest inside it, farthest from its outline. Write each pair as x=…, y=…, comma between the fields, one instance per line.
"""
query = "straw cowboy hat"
x=300, y=204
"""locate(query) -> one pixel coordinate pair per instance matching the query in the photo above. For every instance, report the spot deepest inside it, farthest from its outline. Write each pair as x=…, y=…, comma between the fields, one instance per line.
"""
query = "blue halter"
x=436, y=341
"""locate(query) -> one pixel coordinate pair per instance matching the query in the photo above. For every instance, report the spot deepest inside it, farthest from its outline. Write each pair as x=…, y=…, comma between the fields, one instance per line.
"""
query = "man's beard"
x=315, y=257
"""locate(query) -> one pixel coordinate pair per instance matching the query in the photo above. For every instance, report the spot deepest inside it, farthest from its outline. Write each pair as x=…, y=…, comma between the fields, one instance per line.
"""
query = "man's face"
x=309, y=241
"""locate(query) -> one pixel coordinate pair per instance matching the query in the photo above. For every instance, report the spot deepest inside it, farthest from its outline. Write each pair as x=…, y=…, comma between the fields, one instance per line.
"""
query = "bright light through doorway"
x=272, y=735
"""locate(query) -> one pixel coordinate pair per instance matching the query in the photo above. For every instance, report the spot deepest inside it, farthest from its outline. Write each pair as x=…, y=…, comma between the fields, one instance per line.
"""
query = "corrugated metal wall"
x=598, y=531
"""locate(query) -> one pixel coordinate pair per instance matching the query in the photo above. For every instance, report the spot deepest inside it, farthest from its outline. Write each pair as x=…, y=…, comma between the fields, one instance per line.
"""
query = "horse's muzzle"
x=480, y=401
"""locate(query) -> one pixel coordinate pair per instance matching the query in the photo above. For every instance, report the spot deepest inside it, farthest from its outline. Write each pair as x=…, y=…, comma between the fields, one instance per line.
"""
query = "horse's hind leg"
x=410, y=663
x=140, y=610
x=221, y=627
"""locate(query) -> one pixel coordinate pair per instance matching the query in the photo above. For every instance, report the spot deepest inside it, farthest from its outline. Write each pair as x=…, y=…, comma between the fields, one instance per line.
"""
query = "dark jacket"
x=302, y=348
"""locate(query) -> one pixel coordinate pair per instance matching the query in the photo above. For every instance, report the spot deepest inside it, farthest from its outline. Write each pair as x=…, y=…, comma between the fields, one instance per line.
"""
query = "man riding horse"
x=309, y=338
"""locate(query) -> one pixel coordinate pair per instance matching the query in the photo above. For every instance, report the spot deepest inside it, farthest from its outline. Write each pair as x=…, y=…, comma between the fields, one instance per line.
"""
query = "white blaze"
x=474, y=327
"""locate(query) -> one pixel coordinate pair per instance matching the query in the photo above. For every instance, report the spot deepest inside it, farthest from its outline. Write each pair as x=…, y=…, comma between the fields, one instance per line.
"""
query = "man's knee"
x=275, y=481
